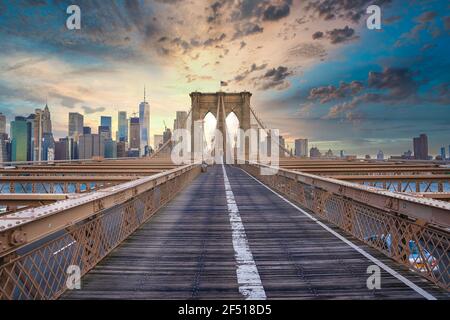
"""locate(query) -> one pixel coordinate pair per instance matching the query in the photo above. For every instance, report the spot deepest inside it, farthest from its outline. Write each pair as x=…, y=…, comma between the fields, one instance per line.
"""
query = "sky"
x=314, y=68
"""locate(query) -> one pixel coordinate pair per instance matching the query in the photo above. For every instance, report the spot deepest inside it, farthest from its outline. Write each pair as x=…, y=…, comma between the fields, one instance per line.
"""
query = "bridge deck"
x=186, y=251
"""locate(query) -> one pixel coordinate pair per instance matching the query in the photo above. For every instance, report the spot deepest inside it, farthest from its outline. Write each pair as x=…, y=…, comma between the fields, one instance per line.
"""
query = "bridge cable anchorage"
x=267, y=131
x=249, y=281
x=371, y=258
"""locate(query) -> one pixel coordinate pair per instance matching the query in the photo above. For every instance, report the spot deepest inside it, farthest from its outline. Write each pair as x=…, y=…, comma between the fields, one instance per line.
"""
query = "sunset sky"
x=314, y=68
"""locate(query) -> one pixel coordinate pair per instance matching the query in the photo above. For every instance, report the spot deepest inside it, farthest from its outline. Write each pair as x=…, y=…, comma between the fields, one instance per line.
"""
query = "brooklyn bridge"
x=149, y=228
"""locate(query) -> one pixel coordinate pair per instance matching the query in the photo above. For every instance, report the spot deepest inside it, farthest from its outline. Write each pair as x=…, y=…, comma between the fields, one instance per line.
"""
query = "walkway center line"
x=383, y=266
x=249, y=282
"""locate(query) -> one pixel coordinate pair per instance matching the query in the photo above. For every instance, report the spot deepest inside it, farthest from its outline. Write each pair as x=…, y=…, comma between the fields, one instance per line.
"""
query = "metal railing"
x=37, y=246
x=412, y=231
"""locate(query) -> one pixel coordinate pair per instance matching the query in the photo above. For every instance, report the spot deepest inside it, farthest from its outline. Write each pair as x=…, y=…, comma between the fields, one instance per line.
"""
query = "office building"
x=421, y=147
x=314, y=153
x=46, y=120
x=76, y=123
x=62, y=149
x=301, y=147
x=158, y=140
x=134, y=134
x=121, y=149
x=380, y=155
x=443, y=156
x=2, y=123
x=106, y=122
x=19, y=139
x=48, y=147
x=144, y=122
x=122, y=126
x=85, y=147
x=180, y=120
x=87, y=130
x=110, y=149
x=4, y=144
x=104, y=132
x=167, y=135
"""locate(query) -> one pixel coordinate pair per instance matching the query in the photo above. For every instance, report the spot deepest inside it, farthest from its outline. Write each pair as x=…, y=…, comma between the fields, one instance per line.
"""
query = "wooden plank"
x=186, y=252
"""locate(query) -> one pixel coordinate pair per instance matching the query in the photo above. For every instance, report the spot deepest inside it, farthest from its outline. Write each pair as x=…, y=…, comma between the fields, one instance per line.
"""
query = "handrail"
x=27, y=226
x=428, y=211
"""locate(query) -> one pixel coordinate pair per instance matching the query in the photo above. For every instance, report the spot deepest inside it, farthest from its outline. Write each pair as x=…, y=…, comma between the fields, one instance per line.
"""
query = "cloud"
x=308, y=50
x=253, y=68
x=393, y=85
x=341, y=35
x=351, y=10
x=247, y=29
x=317, y=35
x=329, y=93
x=275, y=78
x=398, y=81
x=66, y=101
x=446, y=22
x=426, y=22
x=22, y=64
x=90, y=110
x=427, y=16
x=277, y=12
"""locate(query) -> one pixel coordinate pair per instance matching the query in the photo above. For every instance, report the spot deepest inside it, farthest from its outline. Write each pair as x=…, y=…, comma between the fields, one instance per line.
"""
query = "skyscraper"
x=421, y=147
x=301, y=147
x=105, y=132
x=48, y=146
x=282, y=144
x=167, y=135
x=19, y=139
x=158, y=140
x=2, y=123
x=30, y=122
x=134, y=134
x=110, y=149
x=443, y=153
x=37, y=135
x=46, y=120
x=85, y=146
x=123, y=126
x=180, y=121
x=76, y=123
x=144, y=122
x=106, y=122
x=87, y=130
x=42, y=124
x=4, y=157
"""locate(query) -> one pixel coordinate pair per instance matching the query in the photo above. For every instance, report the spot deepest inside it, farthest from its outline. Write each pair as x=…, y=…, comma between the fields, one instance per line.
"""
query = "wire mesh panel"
x=422, y=248
x=40, y=270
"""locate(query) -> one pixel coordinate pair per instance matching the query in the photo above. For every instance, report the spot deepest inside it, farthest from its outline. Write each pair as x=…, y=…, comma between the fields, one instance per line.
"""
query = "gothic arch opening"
x=209, y=127
x=232, y=123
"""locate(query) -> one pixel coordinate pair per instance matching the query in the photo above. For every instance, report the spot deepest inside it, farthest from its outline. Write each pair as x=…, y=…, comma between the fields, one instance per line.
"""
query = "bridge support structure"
x=221, y=104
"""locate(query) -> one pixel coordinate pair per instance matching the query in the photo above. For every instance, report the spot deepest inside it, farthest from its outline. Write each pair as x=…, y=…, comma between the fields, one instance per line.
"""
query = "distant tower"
x=380, y=155
x=2, y=123
x=144, y=123
x=46, y=120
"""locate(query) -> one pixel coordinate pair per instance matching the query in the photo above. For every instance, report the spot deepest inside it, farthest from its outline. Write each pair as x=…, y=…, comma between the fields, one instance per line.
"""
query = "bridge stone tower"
x=221, y=104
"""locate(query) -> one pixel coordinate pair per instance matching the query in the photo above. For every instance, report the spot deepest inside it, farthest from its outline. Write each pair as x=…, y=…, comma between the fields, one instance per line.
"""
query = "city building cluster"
x=31, y=137
x=420, y=147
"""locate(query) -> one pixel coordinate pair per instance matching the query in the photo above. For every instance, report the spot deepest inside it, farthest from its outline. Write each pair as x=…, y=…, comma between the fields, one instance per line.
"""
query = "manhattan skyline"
x=315, y=71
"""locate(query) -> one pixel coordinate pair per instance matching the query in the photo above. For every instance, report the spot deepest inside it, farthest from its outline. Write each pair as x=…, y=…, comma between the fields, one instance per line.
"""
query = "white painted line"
x=386, y=268
x=250, y=285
